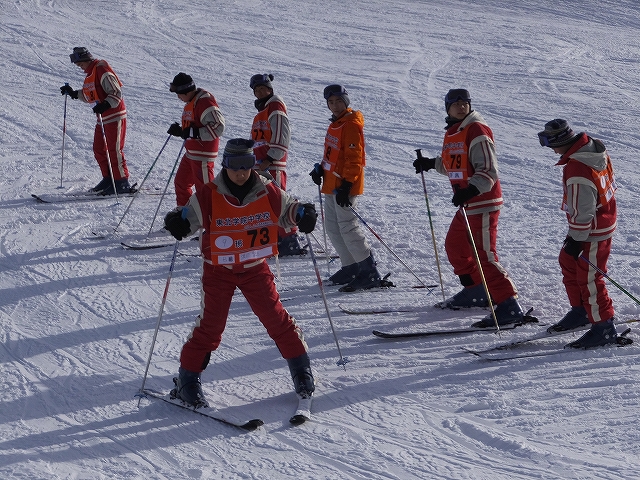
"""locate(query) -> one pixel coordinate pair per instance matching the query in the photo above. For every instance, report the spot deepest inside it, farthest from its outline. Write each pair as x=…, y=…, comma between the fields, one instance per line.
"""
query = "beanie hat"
x=556, y=133
x=455, y=95
x=182, y=83
x=238, y=154
x=80, y=54
x=338, y=90
x=261, y=79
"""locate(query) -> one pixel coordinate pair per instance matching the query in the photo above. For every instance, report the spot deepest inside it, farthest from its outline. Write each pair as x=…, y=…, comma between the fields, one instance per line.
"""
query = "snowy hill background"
x=77, y=313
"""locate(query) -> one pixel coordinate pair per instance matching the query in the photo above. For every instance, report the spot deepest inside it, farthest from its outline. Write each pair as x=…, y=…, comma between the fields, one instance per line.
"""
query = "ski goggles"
x=555, y=140
x=334, y=90
x=545, y=140
x=456, y=95
x=238, y=162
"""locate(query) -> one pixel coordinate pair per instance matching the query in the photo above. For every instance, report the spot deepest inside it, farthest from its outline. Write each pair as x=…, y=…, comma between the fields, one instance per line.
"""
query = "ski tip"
x=252, y=424
x=298, y=419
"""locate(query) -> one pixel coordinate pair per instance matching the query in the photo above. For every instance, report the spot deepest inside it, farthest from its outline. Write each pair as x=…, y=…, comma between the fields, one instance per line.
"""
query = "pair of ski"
x=495, y=354
x=526, y=320
x=302, y=414
x=82, y=196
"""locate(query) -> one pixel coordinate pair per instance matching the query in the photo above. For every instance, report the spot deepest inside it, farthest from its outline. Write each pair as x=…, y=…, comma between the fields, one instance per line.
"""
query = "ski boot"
x=302, y=376
x=507, y=312
x=575, y=318
x=367, y=277
x=345, y=275
x=468, y=297
x=101, y=185
x=188, y=388
x=600, y=334
x=290, y=246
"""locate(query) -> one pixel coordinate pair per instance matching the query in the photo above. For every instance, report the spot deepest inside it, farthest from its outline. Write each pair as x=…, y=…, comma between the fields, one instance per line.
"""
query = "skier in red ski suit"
x=589, y=201
x=469, y=160
x=201, y=128
x=271, y=132
x=240, y=212
x=102, y=87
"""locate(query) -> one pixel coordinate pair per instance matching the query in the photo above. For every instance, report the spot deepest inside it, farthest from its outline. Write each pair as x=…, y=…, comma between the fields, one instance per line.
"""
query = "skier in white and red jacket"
x=590, y=204
x=240, y=212
x=469, y=159
x=102, y=89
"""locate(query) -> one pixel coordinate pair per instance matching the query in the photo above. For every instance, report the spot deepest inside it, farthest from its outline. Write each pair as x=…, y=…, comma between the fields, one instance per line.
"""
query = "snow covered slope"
x=77, y=313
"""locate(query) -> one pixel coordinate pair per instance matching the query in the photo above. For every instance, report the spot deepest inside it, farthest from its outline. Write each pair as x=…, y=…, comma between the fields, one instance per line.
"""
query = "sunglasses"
x=238, y=162
x=334, y=90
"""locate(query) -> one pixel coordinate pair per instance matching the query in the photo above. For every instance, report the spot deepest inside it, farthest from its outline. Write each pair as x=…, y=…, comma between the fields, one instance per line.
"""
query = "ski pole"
x=165, y=188
x=155, y=333
x=600, y=271
x=475, y=253
x=389, y=248
x=64, y=133
x=142, y=183
x=433, y=235
x=106, y=147
x=324, y=229
x=343, y=361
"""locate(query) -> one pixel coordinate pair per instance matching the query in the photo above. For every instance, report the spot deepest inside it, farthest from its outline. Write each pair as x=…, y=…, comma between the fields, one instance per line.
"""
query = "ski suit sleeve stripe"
x=482, y=155
x=582, y=198
x=280, y=134
x=111, y=87
x=213, y=121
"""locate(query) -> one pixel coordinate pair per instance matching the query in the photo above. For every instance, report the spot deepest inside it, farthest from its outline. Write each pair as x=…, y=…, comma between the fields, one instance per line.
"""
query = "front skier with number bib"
x=240, y=212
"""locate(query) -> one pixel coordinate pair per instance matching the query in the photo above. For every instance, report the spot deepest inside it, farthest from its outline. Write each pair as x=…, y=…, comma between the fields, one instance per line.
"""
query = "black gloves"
x=178, y=227
x=101, y=107
x=342, y=194
x=423, y=164
x=463, y=195
x=572, y=247
x=306, y=217
x=67, y=90
x=177, y=131
x=317, y=173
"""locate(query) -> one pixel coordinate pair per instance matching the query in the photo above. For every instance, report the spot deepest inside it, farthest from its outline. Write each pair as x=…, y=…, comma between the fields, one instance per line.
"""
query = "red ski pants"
x=258, y=287
x=484, y=227
x=191, y=173
x=115, y=132
x=584, y=284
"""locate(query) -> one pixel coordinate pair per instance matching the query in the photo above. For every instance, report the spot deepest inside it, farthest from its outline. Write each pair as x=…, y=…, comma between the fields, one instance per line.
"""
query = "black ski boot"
x=508, y=311
x=575, y=318
x=122, y=186
x=102, y=184
x=367, y=277
x=345, y=275
x=302, y=376
x=600, y=334
x=188, y=388
x=468, y=297
x=290, y=246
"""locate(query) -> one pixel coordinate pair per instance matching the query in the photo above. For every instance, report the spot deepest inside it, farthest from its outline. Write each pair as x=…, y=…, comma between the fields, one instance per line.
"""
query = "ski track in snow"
x=77, y=313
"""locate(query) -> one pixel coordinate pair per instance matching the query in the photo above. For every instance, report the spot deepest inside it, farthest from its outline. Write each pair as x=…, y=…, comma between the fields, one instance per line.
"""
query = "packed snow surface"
x=78, y=312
